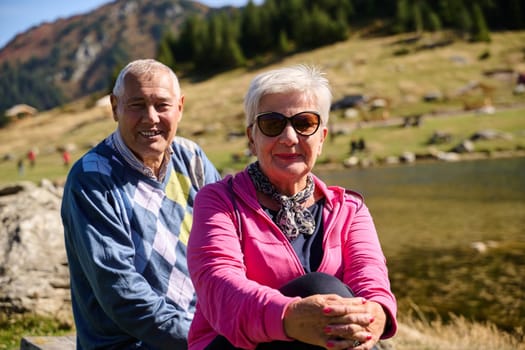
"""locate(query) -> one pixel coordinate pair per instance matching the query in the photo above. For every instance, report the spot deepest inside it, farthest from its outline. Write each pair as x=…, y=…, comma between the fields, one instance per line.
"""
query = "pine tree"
x=251, y=29
x=166, y=49
x=417, y=17
x=402, y=16
x=480, y=31
x=434, y=22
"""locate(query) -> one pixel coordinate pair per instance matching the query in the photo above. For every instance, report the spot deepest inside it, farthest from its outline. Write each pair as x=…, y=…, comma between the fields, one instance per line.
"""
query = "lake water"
x=441, y=204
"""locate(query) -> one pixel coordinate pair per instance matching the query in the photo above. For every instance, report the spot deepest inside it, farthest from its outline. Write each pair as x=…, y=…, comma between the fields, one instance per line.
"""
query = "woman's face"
x=288, y=157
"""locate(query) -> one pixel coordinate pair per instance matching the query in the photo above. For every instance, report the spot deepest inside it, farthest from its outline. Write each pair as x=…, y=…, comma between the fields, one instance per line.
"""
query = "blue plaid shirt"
x=126, y=235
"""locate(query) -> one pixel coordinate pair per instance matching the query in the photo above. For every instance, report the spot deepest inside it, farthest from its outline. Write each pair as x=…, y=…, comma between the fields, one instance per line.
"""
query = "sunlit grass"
x=486, y=285
x=417, y=332
x=393, y=140
x=13, y=327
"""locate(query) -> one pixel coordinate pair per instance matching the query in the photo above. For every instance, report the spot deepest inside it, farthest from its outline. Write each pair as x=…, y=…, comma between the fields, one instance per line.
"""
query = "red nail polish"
x=363, y=300
x=327, y=310
x=330, y=344
x=368, y=337
x=327, y=329
x=372, y=319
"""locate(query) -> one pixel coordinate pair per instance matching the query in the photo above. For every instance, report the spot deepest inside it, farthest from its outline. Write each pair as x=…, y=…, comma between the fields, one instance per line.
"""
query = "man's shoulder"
x=96, y=159
x=100, y=149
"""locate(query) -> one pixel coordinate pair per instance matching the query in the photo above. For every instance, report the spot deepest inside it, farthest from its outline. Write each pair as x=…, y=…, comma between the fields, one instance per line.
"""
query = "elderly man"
x=127, y=213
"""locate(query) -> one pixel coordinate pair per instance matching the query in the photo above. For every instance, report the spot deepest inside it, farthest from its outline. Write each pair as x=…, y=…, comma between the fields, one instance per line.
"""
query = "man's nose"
x=151, y=114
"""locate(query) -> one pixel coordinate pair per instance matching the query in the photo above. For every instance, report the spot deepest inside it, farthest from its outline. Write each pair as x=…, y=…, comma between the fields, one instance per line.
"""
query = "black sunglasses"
x=273, y=123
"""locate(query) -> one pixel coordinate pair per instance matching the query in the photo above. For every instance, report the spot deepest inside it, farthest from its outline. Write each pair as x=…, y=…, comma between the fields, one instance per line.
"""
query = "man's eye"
x=163, y=106
x=136, y=105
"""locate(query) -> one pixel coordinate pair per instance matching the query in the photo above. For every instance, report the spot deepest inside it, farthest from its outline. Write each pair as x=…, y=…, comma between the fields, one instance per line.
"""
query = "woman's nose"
x=289, y=135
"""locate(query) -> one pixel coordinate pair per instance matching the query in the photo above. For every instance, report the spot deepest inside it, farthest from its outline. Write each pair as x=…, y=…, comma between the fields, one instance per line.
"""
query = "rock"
x=483, y=247
x=391, y=160
x=486, y=110
x=34, y=275
x=48, y=343
x=351, y=113
x=440, y=137
x=407, y=157
x=433, y=96
x=490, y=134
x=448, y=156
x=351, y=161
x=466, y=146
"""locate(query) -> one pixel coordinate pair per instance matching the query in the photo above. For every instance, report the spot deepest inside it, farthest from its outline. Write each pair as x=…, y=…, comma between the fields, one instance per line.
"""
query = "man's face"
x=148, y=114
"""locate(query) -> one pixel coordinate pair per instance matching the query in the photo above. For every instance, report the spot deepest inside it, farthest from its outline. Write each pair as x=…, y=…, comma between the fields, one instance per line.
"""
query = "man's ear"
x=114, y=105
x=181, y=107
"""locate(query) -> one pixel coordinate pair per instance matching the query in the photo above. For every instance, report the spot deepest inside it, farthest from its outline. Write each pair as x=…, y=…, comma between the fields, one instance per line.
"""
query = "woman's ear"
x=251, y=142
x=323, y=137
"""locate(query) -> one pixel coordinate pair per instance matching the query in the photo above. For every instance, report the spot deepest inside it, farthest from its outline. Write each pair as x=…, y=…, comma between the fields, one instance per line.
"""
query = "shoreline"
x=461, y=157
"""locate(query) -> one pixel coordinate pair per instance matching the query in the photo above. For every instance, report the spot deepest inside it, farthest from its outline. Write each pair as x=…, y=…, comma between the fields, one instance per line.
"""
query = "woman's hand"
x=369, y=335
x=332, y=322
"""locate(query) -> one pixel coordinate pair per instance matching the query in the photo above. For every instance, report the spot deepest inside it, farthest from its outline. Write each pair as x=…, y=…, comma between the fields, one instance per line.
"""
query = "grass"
x=213, y=108
x=393, y=140
x=435, y=280
x=416, y=332
x=14, y=327
x=382, y=140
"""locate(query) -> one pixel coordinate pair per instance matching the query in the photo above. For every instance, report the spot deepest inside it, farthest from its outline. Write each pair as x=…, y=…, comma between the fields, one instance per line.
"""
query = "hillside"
x=213, y=110
x=76, y=55
x=56, y=63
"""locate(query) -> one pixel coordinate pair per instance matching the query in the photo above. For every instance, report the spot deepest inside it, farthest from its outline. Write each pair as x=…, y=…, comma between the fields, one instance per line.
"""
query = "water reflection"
x=442, y=204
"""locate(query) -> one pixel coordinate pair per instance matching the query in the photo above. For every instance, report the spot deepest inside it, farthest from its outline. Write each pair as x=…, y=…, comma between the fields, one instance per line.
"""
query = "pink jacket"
x=238, y=258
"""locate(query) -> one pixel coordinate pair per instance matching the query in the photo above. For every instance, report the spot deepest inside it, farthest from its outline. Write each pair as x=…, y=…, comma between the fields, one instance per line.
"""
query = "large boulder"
x=34, y=276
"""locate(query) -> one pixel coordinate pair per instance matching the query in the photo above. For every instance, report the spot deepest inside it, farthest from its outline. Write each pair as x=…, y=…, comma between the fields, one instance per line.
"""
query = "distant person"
x=66, y=157
x=361, y=146
x=357, y=146
x=521, y=79
x=520, y=84
x=279, y=259
x=31, y=156
x=21, y=167
x=354, y=148
x=127, y=212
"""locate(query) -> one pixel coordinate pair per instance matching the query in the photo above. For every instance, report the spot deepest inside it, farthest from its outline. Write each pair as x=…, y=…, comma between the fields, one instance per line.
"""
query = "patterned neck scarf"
x=293, y=219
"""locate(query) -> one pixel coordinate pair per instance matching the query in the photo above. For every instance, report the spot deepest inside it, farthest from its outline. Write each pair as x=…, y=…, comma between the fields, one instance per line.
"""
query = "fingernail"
x=363, y=300
x=327, y=329
x=372, y=319
x=368, y=337
x=327, y=310
x=330, y=344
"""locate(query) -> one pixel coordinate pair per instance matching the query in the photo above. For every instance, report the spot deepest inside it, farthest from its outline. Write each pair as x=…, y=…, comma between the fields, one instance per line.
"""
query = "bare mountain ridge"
x=79, y=54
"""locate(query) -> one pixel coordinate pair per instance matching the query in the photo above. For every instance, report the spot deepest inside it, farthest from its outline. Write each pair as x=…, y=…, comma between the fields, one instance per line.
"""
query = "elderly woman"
x=280, y=260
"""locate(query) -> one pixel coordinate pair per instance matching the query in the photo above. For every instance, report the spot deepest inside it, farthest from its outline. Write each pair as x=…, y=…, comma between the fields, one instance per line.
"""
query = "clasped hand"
x=334, y=322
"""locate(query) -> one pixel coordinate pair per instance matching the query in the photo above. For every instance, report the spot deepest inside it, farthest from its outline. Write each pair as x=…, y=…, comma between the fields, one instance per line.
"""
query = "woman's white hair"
x=140, y=67
x=304, y=79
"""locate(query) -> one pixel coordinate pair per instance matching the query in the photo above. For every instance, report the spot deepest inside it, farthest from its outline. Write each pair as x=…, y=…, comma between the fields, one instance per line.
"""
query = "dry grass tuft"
x=458, y=333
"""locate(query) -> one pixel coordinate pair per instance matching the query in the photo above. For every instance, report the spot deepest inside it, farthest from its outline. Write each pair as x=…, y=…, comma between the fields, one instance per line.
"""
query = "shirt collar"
x=117, y=143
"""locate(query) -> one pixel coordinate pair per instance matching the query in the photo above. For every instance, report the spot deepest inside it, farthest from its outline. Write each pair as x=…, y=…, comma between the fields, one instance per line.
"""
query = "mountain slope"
x=79, y=54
